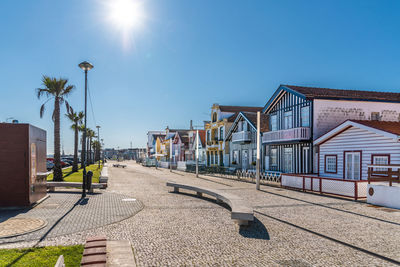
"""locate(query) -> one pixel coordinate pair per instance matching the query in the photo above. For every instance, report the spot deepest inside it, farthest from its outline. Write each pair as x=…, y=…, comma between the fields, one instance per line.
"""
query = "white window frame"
x=274, y=122
x=331, y=163
x=274, y=159
x=305, y=120
x=288, y=119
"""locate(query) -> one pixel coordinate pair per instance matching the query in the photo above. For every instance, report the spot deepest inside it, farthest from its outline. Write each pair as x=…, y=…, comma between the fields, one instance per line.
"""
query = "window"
x=244, y=126
x=305, y=116
x=235, y=157
x=331, y=163
x=214, y=117
x=221, y=133
x=208, y=135
x=288, y=159
x=274, y=123
x=288, y=122
x=375, y=116
x=380, y=160
x=273, y=156
x=254, y=155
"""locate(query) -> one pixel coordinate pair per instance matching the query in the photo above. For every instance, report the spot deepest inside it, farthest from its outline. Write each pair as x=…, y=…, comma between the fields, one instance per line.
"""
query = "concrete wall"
x=383, y=195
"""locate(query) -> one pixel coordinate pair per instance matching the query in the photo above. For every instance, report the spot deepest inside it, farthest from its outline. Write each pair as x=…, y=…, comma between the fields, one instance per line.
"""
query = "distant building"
x=222, y=118
x=242, y=137
x=151, y=141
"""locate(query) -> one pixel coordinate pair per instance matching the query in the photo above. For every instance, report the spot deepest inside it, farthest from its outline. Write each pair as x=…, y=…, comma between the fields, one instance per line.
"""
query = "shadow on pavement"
x=79, y=202
x=255, y=230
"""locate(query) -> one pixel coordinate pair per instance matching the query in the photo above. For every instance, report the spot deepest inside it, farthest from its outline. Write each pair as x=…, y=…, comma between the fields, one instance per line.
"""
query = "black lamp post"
x=86, y=66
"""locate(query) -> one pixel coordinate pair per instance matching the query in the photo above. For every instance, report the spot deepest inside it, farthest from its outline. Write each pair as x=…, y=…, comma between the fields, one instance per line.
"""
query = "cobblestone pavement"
x=291, y=228
x=18, y=226
x=65, y=213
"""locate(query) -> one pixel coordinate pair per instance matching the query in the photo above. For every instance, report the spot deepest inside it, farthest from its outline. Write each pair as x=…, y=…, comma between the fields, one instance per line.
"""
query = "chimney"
x=191, y=124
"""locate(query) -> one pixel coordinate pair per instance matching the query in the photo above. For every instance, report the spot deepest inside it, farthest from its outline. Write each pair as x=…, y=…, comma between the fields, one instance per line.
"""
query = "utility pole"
x=197, y=153
x=170, y=154
x=98, y=140
x=258, y=152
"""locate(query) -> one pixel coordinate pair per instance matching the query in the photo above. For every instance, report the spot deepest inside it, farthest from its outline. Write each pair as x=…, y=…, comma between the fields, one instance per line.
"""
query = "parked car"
x=49, y=165
x=63, y=164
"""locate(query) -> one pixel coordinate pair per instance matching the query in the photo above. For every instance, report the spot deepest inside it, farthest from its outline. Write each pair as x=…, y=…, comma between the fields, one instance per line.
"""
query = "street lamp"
x=98, y=140
x=86, y=66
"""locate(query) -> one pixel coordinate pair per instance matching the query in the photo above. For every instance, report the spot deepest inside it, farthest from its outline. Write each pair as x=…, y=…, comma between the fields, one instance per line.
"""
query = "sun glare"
x=126, y=14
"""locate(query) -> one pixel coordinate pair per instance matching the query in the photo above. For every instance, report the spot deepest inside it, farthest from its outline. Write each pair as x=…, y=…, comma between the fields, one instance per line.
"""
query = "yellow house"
x=222, y=118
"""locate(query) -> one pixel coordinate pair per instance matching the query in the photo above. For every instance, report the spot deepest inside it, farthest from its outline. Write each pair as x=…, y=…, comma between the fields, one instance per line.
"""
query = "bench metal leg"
x=52, y=189
x=199, y=194
x=176, y=189
x=219, y=201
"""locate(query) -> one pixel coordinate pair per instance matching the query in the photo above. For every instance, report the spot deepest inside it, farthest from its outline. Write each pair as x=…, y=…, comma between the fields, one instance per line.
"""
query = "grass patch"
x=70, y=176
x=43, y=256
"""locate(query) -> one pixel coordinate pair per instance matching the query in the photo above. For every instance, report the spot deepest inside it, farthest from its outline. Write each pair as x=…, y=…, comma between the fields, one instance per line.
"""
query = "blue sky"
x=187, y=55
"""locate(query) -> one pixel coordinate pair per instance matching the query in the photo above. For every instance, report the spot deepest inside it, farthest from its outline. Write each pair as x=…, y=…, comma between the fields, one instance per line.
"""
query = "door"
x=245, y=159
x=352, y=165
x=306, y=160
x=288, y=160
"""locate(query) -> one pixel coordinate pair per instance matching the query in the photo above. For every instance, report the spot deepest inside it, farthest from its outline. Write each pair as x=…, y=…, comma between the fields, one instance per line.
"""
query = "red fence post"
x=355, y=190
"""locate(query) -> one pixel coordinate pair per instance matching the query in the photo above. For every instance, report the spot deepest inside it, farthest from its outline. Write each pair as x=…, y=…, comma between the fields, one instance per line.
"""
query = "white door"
x=245, y=159
x=288, y=160
x=353, y=163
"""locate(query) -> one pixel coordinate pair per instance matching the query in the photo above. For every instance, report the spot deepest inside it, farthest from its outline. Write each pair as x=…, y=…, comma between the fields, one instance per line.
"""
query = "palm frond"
x=42, y=108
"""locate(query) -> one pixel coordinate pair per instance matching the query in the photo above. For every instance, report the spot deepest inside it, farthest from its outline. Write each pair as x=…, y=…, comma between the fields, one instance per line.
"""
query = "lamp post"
x=258, y=152
x=98, y=140
x=197, y=153
x=102, y=154
x=86, y=66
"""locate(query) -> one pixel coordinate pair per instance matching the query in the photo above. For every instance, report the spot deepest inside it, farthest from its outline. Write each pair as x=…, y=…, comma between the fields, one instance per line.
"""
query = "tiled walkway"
x=291, y=229
x=66, y=213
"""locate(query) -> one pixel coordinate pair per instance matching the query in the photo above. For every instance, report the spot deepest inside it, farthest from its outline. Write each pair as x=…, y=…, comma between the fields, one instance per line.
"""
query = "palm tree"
x=58, y=90
x=81, y=128
x=90, y=135
x=76, y=119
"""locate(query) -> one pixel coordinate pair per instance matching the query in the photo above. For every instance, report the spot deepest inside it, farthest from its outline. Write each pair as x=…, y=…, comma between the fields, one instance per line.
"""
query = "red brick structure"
x=22, y=157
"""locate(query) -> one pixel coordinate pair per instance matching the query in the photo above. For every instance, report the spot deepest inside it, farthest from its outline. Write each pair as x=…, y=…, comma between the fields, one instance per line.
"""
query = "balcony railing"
x=301, y=133
x=241, y=137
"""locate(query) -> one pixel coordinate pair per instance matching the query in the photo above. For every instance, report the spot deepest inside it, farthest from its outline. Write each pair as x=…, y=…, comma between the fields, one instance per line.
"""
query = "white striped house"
x=347, y=150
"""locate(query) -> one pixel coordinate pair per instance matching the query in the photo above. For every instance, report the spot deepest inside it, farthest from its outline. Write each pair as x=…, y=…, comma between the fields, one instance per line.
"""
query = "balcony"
x=241, y=137
x=294, y=134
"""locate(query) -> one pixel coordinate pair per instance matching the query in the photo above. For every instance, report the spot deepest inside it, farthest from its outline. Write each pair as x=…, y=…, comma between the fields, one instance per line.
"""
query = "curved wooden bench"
x=241, y=211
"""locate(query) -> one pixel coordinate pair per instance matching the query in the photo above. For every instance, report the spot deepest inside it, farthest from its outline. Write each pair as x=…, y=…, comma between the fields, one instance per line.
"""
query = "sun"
x=126, y=14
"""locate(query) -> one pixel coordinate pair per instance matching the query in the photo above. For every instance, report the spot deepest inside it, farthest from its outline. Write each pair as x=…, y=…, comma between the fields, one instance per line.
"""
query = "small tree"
x=57, y=90
x=76, y=119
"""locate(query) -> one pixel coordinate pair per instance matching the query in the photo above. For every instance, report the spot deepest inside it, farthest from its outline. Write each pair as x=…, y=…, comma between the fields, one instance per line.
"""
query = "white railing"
x=243, y=136
x=301, y=133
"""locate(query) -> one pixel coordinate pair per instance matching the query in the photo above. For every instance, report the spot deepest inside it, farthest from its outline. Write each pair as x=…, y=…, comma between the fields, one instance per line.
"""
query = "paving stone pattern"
x=65, y=213
x=291, y=228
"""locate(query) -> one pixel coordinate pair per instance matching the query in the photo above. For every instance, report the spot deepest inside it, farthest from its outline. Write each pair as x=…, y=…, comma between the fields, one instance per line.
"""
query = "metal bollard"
x=89, y=176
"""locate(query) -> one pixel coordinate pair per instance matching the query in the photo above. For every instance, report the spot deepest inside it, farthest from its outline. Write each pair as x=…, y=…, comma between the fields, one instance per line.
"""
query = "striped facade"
x=366, y=143
x=292, y=156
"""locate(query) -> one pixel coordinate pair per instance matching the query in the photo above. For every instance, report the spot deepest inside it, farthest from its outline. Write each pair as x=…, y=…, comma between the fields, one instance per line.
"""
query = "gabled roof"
x=235, y=109
x=386, y=128
x=329, y=93
x=251, y=118
x=202, y=134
